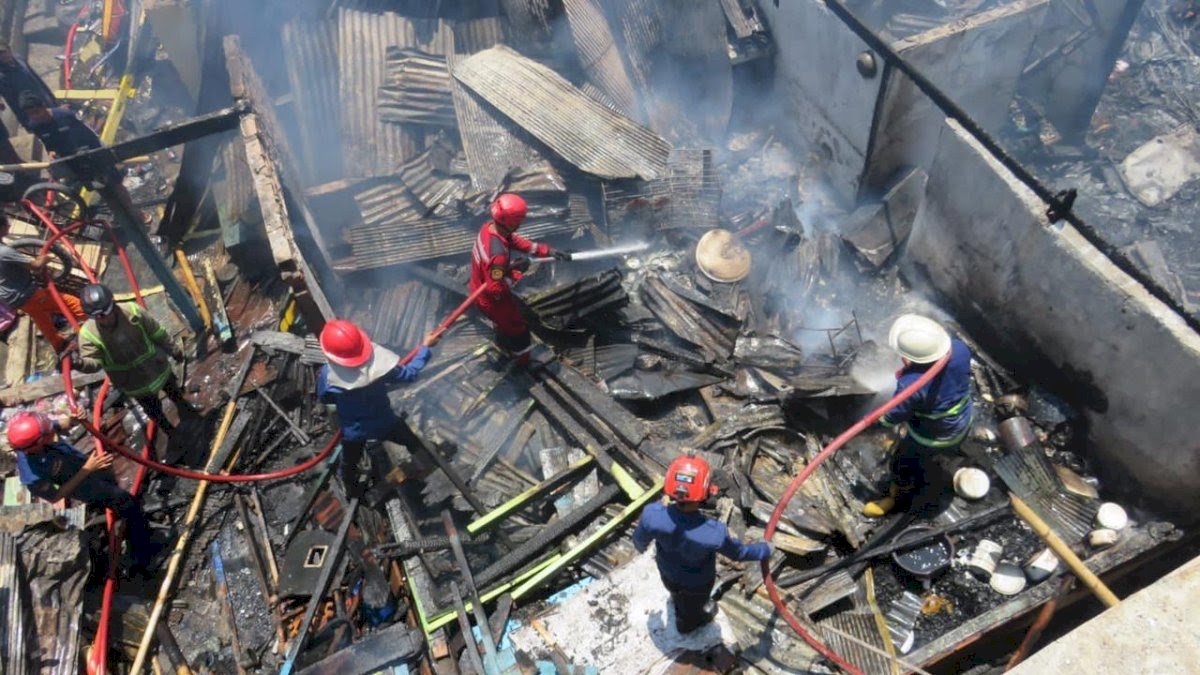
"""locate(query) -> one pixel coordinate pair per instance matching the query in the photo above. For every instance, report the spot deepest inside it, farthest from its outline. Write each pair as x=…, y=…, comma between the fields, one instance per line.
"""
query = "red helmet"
x=689, y=479
x=345, y=344
x=509, y=210
x=27, y=429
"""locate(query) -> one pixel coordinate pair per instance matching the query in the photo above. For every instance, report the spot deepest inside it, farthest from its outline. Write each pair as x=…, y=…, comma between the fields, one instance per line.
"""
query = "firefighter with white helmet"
x=937, y=417
x=687, y=541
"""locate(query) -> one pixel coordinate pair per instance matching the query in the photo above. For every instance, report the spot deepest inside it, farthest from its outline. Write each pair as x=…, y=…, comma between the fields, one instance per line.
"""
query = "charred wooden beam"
x=395, y=644
x=262, y=138
x=321, y=588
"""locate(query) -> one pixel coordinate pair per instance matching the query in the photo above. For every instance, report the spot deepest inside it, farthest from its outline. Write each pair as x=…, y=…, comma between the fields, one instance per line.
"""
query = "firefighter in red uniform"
x=498, y=259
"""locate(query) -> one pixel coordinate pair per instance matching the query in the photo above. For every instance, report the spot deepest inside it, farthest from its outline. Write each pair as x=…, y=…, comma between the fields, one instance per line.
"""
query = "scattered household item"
x=1102, y=537
x=901, y=618
x=1064, y=552
x=1073, y=482
x=984, y=558
x=1111, y=517
x=721, y=257
x=926, y=559
x=1008, y=579
x=971, y=483
x=1041, y=565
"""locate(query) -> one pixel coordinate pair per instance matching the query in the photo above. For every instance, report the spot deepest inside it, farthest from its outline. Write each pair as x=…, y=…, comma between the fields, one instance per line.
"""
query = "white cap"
x=919, y=339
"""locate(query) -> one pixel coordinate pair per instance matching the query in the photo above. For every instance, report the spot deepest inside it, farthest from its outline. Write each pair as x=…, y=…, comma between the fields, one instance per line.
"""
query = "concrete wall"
x=866, y=128
x=976, y=61
x=1072, y=57
x=1046, y=301
x=826, y=105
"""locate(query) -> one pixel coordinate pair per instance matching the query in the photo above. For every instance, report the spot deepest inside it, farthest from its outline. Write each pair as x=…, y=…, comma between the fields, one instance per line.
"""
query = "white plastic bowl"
x=971, y=483
x=1008, y=579
x=1112, y=517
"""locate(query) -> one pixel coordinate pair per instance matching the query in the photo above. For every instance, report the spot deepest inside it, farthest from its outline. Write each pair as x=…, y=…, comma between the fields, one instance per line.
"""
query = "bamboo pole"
x=1064, y=552
x=189, y=280
x=181, y=545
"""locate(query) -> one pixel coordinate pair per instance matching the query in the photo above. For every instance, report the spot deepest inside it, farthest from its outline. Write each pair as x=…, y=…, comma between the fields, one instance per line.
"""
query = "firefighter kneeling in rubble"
x=498, y=260
x=687, y=542
x=937, y=417
x=356, y=380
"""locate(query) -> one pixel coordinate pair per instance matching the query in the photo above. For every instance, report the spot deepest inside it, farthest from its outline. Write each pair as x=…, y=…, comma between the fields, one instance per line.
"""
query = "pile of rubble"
x=753, y=351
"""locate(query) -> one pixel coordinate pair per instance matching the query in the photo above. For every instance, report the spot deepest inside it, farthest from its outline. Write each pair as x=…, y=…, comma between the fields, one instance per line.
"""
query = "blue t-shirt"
x=366, y=413
x=687, y=545
x=43, y=473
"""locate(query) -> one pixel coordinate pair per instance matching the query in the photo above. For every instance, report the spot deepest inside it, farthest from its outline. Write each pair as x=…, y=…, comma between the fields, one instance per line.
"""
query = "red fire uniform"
x=494, y=261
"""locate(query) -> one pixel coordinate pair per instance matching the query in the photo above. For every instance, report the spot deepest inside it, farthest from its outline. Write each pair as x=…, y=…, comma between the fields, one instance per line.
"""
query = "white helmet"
x=919, y=339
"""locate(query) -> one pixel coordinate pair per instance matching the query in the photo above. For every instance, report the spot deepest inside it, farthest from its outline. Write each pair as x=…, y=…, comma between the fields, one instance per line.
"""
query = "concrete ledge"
x=1152, y=631
x=1052, y=305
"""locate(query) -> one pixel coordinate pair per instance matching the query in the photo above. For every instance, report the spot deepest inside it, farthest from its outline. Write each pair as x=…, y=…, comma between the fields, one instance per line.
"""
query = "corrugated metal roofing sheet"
x=688, y=196
x=416, y=89
x=676, y=50
x=582, y=131
x=599, y=54
x=16, y=631
x=492, y=144
x=310, y=54
x=372, y=147
x=392, y=234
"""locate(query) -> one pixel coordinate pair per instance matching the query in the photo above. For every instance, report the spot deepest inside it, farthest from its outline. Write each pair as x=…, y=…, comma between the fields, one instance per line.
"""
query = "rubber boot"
x=884, y=505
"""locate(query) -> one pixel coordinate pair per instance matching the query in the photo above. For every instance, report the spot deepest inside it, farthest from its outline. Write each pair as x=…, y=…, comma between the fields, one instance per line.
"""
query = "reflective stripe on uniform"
x=952, y=410
x=941, y=442
x=109, y=365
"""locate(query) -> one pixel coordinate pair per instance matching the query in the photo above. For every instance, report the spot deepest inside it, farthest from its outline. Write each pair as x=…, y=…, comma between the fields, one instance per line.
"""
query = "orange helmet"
x=509, y=210
x=27, y=429
x=689, y=479
x=345, y=344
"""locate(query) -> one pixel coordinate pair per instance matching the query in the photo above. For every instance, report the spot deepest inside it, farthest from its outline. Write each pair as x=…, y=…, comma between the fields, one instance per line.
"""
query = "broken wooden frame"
x=271, y=165
x=550, y=566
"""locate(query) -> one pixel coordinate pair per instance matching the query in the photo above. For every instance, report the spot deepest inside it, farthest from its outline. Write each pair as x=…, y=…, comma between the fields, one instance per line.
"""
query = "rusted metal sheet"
x=493, y=144
x=310, y=54
x=416, y=89
x=689, y=195
x=582, y=131
x=599, y=54
x=372, y=147
x=17, y=630
x=394, y=231
x=401, y=315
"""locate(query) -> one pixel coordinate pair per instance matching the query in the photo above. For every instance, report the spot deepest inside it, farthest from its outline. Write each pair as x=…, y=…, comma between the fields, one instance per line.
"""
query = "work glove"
x=176, y=353
x=561, y=255
x=520, y=264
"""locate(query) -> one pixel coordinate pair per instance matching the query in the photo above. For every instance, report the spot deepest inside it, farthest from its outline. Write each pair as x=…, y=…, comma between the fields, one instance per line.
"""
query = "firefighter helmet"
x=689, y=479
x=345, y=344
x=97, y=300
x=509, y=210
x=27, y=429
x=919, y=339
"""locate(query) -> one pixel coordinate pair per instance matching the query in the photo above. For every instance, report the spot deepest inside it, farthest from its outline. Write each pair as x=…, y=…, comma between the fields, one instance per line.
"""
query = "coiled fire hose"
x=790, y=492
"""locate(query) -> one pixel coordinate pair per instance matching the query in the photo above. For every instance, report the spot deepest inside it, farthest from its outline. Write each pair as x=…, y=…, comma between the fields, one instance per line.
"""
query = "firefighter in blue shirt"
x=938, y=416
x=53, y=469
x=357, y=380
x=687, y=542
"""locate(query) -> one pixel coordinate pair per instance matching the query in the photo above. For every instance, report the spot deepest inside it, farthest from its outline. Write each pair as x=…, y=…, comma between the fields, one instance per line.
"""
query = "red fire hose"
x=826, y=453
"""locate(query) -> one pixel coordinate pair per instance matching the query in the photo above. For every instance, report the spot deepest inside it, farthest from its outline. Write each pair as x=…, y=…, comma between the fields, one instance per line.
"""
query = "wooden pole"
x=1064, y=552
x=185, y=538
